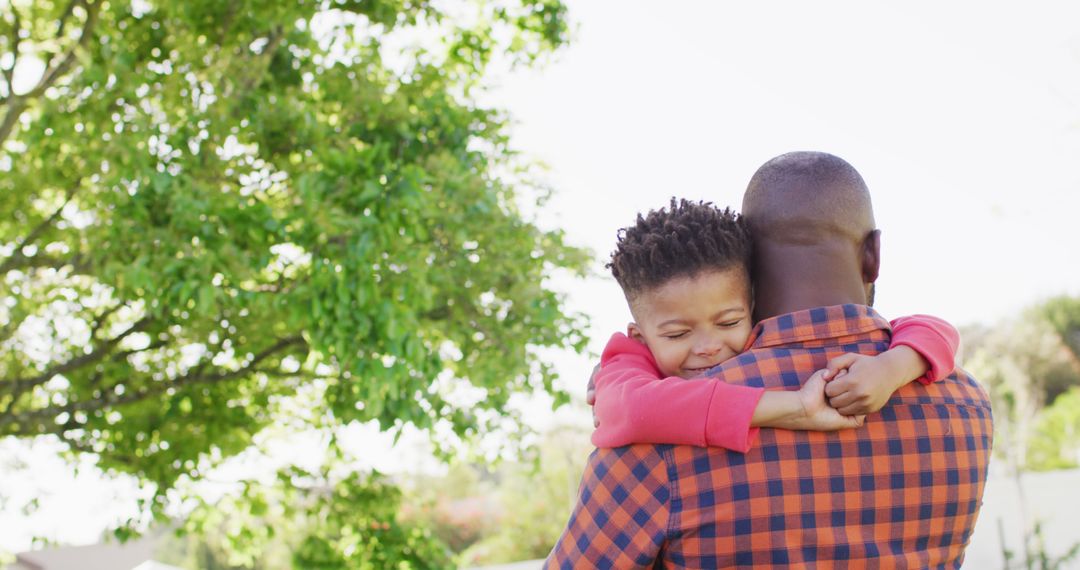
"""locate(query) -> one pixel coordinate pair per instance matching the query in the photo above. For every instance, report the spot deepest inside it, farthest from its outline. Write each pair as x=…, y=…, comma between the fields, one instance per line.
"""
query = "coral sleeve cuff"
x=933, y=338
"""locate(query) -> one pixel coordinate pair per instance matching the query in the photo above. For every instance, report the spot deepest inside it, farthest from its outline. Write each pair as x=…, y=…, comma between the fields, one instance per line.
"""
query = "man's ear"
x=634, y=332
x=871, y=256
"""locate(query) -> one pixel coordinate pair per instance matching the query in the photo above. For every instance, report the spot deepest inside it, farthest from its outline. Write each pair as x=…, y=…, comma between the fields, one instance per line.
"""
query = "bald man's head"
x=804, y=197
x=815, y=242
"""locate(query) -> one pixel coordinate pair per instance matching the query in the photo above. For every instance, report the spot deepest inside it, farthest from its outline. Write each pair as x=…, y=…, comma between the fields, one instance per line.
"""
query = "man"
x=902, y=491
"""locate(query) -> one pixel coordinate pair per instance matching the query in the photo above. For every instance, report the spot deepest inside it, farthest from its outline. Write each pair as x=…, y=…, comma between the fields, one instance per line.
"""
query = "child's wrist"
x=905, y=365
x=780, y=409
x=794, y=416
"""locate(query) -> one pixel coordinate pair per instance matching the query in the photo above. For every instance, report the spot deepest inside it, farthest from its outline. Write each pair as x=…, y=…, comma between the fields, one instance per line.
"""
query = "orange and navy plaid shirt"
x=903, y=491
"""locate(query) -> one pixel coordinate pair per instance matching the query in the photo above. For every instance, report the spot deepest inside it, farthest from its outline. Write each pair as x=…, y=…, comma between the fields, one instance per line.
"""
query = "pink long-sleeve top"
x=634, y=404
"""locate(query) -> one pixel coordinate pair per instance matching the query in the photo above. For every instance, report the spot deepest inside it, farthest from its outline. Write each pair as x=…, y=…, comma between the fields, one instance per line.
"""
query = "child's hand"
x=590, y=395
x=818, y=415
x=862, y=384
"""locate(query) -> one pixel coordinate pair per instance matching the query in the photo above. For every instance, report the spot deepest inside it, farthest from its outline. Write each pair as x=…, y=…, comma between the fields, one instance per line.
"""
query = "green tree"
x=1031, y=367
x=218, y=215
x=515, y=510
x=329, y=518
x=536, y=499
x=1055, y=443
x=1027, y=364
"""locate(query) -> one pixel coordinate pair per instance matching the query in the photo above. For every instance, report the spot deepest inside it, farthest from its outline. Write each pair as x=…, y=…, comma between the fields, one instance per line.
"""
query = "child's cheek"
x=744, y=338
x=670, y=362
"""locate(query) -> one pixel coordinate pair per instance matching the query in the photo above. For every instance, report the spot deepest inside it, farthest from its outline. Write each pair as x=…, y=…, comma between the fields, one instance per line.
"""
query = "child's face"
x=691, y=324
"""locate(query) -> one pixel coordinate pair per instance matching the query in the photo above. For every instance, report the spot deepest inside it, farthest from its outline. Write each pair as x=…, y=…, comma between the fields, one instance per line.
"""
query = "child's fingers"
x=852, y=421
x=836, y=387
x=855, y=409
x=816, y=381
x=839, y=363
x=842, y=401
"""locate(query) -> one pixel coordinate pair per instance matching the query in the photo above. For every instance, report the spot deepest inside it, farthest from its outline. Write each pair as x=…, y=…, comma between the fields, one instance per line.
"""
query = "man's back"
x=902, y=491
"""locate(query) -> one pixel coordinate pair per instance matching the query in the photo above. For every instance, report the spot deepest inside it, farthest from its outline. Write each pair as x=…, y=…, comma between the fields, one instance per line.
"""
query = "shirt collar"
x=816, y=324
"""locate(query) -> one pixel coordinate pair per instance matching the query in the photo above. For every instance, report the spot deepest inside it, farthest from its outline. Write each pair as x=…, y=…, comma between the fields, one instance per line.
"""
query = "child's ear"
x=634, y=332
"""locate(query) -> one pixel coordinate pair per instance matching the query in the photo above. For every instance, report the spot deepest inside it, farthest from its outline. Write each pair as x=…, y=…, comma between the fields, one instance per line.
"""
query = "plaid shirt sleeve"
x=622, y=513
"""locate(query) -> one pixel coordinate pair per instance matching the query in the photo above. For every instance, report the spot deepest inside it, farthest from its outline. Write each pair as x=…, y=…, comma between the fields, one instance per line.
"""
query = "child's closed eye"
x=675, y=336
x=729, y=324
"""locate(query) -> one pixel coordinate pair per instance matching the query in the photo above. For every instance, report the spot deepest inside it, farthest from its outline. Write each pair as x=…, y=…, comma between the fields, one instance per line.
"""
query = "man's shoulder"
x=957, y=389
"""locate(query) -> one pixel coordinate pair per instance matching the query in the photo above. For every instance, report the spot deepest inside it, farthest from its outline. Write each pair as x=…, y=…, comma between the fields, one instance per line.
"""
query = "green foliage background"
x=475, y=514
x=217, y=216
x=1031, y=366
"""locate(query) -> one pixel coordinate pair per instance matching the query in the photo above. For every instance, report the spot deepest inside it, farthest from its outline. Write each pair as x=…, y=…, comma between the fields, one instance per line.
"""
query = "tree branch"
x=54, y=72
x=68, y=10
x=36, y=232
x=19, y=385
x=9, y=73
x=17, y=103
x=250, y=367
x=15, y=106
x=227, y=21
x=18, y=263
x=8, y=329
x=259, y=64
x=85, y=448
x=34, y=422
x=123, y=354
x=99, y=320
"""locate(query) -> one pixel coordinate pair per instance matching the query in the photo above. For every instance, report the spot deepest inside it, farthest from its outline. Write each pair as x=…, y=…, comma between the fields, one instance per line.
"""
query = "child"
x=685, y=275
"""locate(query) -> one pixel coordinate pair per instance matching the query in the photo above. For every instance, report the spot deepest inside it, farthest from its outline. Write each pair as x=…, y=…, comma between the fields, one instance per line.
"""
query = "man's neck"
x=796, y=278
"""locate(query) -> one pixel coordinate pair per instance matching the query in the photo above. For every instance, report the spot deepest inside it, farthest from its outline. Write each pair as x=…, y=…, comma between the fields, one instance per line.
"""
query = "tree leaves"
x=1028, y=363
x=257, y=189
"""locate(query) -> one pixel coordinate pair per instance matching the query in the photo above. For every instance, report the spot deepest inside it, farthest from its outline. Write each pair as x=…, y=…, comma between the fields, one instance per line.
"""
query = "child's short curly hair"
x=681, y=241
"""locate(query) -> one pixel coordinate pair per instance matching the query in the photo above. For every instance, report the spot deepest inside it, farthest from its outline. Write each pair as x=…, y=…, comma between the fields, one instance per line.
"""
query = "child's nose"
x=710, y=347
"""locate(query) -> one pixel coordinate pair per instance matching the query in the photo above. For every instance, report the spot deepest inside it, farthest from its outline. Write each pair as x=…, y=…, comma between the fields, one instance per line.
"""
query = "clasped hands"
x=839, y=396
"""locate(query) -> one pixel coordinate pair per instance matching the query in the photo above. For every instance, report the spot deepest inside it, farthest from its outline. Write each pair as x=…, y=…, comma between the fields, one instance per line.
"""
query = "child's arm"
x=802, y=409
x=633, y=404
x=923, y=348
x=934, y=339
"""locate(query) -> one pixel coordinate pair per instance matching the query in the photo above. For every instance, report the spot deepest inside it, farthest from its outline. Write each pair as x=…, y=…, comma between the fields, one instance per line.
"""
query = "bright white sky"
x=963, y=117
